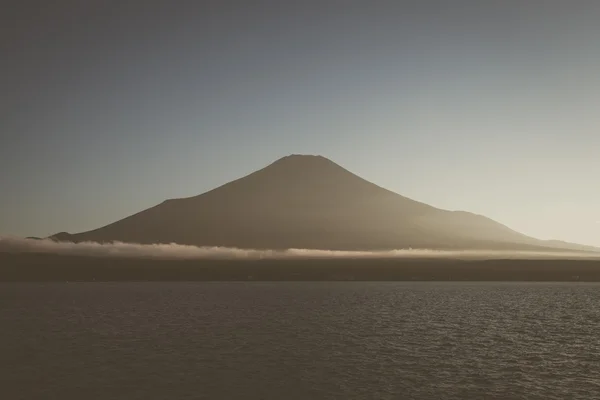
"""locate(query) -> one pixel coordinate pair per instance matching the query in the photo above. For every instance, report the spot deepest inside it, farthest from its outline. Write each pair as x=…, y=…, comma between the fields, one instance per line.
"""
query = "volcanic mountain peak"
x=300, y=164
x=296, y=179
x=303, y=158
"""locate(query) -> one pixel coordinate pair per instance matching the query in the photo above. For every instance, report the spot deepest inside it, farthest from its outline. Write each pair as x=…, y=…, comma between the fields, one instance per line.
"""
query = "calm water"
x=299, y=341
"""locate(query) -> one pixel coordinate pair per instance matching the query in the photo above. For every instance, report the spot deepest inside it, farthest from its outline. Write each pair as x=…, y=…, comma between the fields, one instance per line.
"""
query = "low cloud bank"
x=176, y=251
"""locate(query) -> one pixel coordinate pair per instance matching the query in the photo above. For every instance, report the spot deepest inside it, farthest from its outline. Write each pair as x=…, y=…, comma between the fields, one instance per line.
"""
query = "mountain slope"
x=308, y=202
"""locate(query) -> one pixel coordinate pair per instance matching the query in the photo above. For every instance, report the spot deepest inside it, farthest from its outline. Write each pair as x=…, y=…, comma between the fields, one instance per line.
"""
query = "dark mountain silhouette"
x=310, y=202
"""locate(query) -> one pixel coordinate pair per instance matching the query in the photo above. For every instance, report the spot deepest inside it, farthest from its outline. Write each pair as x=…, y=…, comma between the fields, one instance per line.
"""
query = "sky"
x=110, y=107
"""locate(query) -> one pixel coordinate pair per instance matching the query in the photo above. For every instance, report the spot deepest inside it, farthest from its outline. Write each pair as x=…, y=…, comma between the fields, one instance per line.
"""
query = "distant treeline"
x=47, y=267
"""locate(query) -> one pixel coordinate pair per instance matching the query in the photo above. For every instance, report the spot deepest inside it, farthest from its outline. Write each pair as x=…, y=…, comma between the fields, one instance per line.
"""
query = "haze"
x=112, y=107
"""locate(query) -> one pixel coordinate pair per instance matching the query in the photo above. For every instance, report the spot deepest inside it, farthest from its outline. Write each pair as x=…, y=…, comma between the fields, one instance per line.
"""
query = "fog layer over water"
x=177, y=251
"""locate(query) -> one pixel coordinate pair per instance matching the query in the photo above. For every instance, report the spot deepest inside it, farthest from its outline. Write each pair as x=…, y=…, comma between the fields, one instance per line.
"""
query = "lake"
x=300, y=340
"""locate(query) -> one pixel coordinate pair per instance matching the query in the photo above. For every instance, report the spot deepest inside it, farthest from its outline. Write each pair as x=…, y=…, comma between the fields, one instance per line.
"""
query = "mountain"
x=310, y=202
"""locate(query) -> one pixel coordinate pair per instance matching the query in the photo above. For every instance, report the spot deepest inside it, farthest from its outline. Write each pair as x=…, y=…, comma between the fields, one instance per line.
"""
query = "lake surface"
x=318, y=340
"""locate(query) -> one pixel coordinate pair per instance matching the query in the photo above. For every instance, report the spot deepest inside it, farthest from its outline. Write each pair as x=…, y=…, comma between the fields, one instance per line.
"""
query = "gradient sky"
x=110, y=107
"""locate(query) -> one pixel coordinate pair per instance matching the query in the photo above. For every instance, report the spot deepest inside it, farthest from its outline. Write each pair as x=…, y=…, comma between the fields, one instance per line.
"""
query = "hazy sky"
x=110, y=107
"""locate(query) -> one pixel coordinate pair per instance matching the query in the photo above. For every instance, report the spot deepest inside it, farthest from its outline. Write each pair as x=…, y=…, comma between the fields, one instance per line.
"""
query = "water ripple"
x=300, y=341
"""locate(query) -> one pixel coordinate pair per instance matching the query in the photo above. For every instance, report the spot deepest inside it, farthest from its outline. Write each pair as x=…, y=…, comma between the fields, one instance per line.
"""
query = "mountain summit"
x=308, y=202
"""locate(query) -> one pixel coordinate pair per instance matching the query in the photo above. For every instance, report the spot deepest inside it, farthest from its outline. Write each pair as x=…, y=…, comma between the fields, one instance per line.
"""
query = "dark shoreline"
x=55, y=268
